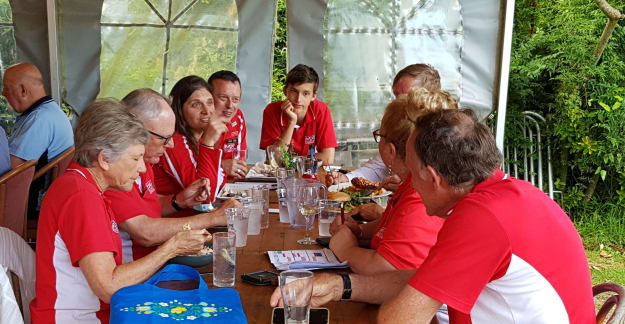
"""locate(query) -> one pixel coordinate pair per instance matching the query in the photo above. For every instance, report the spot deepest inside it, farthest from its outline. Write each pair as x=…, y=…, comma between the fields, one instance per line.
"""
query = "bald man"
x=42, y=131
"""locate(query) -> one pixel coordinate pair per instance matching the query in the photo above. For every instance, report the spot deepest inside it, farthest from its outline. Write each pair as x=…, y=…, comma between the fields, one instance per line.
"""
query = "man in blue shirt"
x=42, y=131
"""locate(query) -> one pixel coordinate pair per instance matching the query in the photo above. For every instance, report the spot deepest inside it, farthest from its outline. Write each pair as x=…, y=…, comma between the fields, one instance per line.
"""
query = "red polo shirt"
x=74, y=222
x=180, y=166
x=507, y=253
x=234, y=138
x=141, y=200
x=406, y=232
x=317, y=128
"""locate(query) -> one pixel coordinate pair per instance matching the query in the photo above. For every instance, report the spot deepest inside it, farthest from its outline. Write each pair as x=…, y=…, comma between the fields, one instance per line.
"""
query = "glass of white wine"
x=308, y=204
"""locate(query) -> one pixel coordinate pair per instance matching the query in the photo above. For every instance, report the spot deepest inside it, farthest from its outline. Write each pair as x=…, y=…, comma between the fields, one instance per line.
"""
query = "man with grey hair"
x=139, y=212
x=412, y=76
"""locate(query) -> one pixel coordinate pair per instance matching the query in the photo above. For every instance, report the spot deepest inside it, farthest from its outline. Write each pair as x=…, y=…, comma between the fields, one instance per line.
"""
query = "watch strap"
x=347, y=287
x=174, y=204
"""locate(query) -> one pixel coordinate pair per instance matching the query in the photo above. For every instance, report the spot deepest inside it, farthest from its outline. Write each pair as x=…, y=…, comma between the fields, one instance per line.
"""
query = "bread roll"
x=339, y=196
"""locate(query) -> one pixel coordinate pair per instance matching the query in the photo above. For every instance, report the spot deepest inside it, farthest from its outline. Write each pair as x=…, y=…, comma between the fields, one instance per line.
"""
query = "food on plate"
x=362, y=183
x=232, y=193
x=262, y=169
x=204, y=251
x=339, y=196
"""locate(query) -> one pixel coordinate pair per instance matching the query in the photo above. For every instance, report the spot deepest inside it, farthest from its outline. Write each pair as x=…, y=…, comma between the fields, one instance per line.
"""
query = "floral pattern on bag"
x=176, y=310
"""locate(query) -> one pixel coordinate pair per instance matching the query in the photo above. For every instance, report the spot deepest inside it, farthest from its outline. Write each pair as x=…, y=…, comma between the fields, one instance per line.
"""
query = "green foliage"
x=553, y=72
x=8, y=56
x=279, y=53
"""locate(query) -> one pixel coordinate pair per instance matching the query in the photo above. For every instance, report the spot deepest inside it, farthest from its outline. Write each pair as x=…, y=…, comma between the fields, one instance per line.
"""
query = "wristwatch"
x=347, y=286
x=174, y=204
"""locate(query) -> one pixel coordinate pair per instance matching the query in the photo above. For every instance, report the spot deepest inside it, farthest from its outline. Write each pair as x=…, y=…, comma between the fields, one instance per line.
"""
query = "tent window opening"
x=8, y=57
x=155, y=43
x=367, y=43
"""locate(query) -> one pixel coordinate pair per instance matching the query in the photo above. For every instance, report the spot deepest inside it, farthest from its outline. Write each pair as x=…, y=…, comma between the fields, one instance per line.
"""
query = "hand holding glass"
x=296, y=289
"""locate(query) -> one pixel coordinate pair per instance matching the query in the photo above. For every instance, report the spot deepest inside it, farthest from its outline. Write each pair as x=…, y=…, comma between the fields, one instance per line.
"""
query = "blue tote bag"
x=147, y=303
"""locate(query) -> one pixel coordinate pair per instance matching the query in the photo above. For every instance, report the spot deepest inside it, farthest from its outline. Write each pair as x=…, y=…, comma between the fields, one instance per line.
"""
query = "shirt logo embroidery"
x=309, y=139
x=234, y=133
x=229, y=147
x=114, y=227
x=234, y=123
x=149, y=187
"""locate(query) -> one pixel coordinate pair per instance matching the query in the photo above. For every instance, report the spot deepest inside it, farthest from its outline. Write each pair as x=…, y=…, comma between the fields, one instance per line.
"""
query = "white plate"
x=239, y=187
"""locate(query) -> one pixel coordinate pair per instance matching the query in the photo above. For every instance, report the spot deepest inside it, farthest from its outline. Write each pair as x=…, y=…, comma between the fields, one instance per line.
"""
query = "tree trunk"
x=591, y=187
x=613, y=17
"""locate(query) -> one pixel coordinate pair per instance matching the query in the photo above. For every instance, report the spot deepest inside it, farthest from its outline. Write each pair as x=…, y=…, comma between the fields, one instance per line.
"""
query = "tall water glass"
x=254, y=210
x=308, y=205
x=281, y=176
x=240, y=154
x=261, y=193
x=224, y=259
x=296, y=288
x=231, y=215
x=240, y=224
x=329, y=210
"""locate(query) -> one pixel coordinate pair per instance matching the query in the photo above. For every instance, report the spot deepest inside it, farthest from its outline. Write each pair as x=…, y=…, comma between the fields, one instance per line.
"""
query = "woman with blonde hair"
x=402, y=237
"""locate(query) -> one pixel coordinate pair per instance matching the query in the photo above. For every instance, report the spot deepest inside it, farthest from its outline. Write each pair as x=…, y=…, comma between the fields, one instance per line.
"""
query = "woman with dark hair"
x=195, y=154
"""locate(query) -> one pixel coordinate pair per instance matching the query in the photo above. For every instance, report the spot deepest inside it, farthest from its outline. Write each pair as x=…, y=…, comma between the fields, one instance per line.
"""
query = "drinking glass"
x=296, y=289
x=254, y=210
x=261, y=193
x=240, y=154
x=231, y=215
x=329, y=210
x=305, y=165
x=281, y=175
x=239, y=225
x=308, y=205
x=225, y=255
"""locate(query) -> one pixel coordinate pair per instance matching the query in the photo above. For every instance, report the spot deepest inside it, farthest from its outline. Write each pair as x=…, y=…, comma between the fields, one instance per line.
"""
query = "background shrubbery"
x=553, y=72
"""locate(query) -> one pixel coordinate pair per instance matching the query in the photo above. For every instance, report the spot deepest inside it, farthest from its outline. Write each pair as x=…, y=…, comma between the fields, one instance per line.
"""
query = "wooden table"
x=253, y=257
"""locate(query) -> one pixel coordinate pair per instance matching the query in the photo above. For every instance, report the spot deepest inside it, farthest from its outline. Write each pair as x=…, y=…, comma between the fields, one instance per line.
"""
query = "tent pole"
x=505, y=72
x=55, y=86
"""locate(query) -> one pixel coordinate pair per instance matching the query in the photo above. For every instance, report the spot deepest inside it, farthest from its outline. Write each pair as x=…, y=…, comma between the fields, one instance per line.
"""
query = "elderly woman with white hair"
x=79, y=257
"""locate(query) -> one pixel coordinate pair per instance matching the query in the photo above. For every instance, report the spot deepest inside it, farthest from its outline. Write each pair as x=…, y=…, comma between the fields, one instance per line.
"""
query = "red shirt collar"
x=82, y=171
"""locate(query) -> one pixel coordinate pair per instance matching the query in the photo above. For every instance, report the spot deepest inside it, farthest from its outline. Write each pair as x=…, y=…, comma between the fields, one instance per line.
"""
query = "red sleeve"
x=209, y=167
x=410, y=233
x=472, y=250
x=326, y=137
x=85, y=226
x=177, y=164
x=270, y=132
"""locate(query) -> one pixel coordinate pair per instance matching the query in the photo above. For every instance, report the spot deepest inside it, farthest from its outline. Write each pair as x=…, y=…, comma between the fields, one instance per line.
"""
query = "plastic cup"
x=254, y=209
x=261, y=193
x=296, y=288
x=224, y=259
x=240, y=224
x=329, y=210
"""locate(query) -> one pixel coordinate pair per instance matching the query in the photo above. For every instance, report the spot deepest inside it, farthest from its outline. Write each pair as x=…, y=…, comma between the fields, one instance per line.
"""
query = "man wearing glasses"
x=139, y=213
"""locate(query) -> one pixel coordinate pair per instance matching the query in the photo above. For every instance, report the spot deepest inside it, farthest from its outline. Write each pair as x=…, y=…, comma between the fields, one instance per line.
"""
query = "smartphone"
x=323, y=241
x=317, y=316
x=261, y=278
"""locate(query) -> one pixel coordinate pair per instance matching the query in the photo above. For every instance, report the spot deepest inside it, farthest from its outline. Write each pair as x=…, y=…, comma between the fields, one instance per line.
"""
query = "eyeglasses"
x=165, y=139
x=377, y=135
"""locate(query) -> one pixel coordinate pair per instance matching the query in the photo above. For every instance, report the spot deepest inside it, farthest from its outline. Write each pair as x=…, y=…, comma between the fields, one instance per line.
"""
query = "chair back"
x=19, y=259
x=57, y=166
x=616, y=301
x=14, y=188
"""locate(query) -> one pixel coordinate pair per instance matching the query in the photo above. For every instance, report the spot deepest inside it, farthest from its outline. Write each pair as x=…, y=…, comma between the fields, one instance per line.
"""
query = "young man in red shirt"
x=301, y=121
x=227, y=97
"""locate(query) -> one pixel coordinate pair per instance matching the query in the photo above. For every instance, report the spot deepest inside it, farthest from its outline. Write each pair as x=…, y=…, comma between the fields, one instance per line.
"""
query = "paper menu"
x=305, y=259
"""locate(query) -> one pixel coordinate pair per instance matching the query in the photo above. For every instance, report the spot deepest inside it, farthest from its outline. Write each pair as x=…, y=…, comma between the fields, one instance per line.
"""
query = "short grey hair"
x=144, y=103
x=106, y=125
